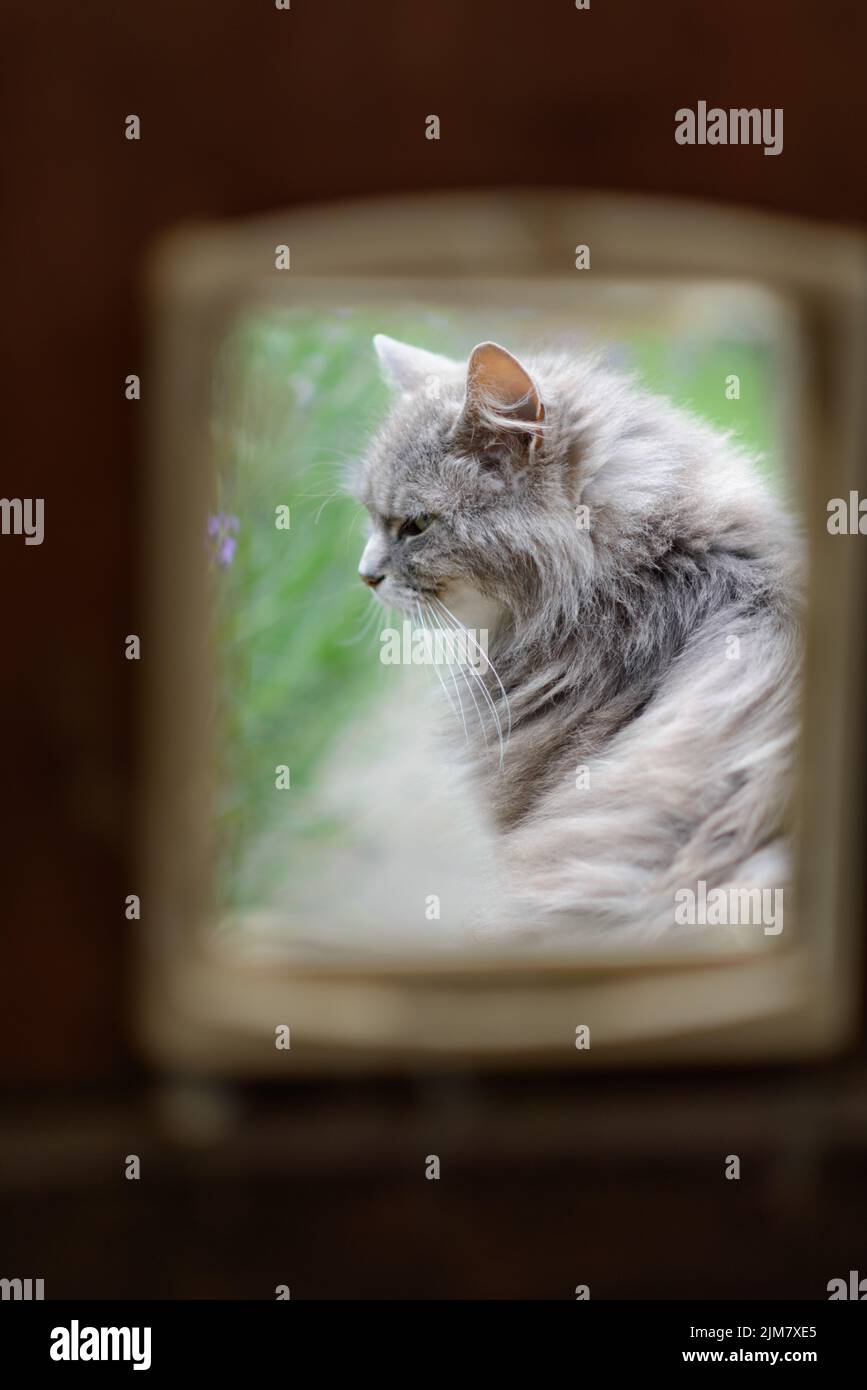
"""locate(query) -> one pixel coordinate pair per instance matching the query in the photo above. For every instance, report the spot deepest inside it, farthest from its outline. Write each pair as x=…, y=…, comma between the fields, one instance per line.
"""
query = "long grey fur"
x=652, y=640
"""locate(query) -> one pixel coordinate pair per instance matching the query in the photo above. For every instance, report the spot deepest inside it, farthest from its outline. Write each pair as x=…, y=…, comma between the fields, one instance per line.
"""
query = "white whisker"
x=436, y=618
x=478, y=678
x=367, y=624
x=448, y=631
x=487, y=660
x=425, y=629
x=356, y=518
x=330, y=498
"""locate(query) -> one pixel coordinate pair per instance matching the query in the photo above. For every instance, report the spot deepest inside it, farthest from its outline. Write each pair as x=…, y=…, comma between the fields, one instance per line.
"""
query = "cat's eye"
x=413, y=526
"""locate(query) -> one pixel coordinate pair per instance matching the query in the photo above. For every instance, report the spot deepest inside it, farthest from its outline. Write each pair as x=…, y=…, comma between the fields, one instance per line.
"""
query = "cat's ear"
x=407, y=368
x=503, y=415
x=501, y=391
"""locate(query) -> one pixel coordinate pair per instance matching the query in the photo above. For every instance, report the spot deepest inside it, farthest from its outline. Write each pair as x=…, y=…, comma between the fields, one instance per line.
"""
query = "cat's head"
x=459, y=484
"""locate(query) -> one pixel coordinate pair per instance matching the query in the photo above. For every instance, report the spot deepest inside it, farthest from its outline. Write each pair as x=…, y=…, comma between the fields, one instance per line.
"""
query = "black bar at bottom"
x=161, y=1338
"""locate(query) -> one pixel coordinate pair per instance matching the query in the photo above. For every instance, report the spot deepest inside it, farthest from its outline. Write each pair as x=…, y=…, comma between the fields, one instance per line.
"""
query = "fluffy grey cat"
x=634, y=731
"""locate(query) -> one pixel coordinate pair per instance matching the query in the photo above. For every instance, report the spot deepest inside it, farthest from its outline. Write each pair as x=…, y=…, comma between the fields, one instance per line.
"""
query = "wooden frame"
x=201, y=1011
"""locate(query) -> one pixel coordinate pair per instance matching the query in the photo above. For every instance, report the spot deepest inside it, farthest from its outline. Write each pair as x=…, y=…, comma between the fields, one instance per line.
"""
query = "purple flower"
x=220, y=529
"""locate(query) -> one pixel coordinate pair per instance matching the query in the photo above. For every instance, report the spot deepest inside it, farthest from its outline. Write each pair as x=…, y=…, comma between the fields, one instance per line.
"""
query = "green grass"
x=296, y=398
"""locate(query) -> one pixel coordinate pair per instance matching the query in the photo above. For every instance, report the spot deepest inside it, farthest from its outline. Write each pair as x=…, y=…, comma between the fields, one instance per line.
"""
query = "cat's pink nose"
x=371, y=579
